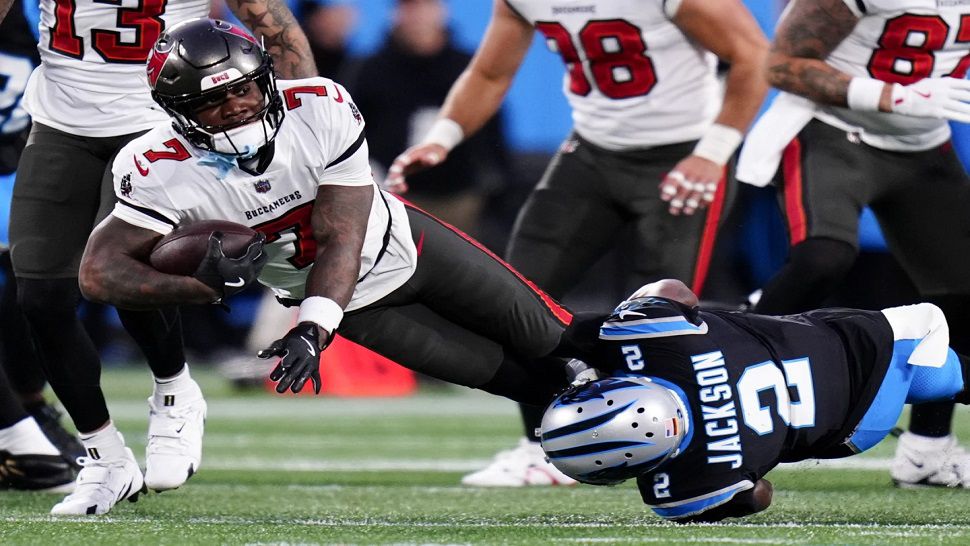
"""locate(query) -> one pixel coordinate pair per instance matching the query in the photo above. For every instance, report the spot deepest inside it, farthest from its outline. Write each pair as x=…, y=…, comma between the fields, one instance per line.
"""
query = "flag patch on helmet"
x=670, y=427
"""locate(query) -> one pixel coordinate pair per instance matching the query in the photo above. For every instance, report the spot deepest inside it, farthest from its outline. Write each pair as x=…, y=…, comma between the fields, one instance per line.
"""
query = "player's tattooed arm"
x=808, y=32
x=273, y=21
x=115, y=270
x=4, y=8
x=340, y=215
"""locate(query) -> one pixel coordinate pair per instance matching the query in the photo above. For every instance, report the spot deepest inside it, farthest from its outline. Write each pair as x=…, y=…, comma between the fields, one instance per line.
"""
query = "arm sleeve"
x=681, y=492
x=142, y=201
x=343, y=143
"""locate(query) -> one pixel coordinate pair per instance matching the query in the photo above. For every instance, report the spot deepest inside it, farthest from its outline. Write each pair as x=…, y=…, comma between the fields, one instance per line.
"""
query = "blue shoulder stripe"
x=650, y=328
x=696, y=505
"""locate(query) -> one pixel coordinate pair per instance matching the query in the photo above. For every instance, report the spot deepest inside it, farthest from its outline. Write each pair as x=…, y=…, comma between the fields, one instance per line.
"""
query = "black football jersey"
x=760, y=390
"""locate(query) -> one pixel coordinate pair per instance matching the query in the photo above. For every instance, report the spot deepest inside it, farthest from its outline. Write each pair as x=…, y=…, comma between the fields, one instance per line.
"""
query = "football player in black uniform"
x=700, y=405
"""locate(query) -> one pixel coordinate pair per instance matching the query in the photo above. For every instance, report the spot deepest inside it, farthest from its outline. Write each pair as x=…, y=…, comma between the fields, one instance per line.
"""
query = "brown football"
x=181, y=251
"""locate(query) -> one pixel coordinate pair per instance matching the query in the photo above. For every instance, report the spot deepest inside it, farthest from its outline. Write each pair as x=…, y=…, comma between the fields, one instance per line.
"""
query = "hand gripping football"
x=181, y=251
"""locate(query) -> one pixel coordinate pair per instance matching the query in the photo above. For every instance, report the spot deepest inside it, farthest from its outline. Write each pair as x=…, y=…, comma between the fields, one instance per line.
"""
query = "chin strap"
x=222, y=163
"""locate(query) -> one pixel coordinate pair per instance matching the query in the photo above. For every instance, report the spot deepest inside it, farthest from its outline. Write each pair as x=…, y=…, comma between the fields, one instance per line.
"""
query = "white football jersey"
x=901, y=41
x=633, y=79
x=160, y=183
x=91, y=80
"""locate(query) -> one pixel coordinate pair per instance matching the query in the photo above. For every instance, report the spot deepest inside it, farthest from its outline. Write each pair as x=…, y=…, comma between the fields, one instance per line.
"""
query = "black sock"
x=67, y=354
x=10, y=409
x=531, y=419
x=158, y=333
x=932, y=419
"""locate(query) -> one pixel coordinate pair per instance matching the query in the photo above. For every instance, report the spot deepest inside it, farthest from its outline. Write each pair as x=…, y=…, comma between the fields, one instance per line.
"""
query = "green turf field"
x=386, y=471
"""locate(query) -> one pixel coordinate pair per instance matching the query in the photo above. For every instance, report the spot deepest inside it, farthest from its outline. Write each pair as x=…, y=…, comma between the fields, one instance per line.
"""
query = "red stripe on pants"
x=791, y=161
x=561, y=313
x=709, y=236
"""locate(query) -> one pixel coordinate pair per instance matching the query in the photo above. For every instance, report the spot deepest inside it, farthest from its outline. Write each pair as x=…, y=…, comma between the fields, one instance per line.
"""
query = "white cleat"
x=175, y=429
x=523, y=466
x=101, y=484
x=930, y=462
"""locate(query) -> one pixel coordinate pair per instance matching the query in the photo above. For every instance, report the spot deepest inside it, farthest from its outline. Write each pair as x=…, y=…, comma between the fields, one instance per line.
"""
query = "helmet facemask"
x=241, y=139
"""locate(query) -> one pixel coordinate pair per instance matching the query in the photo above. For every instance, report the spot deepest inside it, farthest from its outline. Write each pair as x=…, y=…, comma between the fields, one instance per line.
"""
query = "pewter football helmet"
x=607, y=431
x=196, y=60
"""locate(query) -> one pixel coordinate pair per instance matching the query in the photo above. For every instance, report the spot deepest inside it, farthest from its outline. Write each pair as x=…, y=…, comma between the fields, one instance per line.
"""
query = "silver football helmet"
x=610, y=430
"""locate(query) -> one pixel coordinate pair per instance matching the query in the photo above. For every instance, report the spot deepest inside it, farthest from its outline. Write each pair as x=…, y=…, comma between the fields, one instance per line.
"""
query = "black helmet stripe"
x=583, y=425
x=592, y=449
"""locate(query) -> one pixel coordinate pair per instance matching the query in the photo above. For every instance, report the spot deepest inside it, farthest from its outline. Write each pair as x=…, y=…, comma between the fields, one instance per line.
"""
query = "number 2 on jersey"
x=144, y=19
x=617, y=57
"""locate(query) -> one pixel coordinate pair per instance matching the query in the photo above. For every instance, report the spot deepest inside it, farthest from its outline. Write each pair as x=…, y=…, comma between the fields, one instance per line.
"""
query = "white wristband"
x=444, y=132
x=718, y=143
x=864, y=94
x=324, y=312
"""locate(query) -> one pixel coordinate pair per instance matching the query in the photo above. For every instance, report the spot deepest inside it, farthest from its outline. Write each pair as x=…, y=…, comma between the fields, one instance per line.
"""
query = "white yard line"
x=460, y=465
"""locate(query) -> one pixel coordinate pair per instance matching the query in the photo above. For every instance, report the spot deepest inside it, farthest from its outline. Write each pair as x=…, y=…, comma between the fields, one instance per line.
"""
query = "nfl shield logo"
x=262, y=186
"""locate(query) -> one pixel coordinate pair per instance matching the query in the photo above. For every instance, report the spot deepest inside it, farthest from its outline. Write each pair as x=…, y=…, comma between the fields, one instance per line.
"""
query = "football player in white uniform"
x=289, y=159
x=87, y=99
x=868, y=88
x=647, y=109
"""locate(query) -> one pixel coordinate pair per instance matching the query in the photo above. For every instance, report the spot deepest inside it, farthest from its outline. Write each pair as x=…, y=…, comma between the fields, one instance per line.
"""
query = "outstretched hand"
x=413, y=160
x=299, y=351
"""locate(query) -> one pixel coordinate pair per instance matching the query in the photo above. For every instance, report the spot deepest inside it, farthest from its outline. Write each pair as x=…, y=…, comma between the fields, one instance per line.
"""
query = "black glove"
x=228, y=276
x=300, y=352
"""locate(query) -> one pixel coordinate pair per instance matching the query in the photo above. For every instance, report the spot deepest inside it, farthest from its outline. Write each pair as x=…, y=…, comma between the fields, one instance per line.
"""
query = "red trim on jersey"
x=791, y=162
x=561, y=313
x=703, y=263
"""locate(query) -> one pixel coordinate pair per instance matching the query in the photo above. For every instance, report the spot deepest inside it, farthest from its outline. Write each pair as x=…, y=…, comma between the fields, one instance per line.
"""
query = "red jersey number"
x=144, y=19
x=616, y=54
x=907, y=48
x=297, y=222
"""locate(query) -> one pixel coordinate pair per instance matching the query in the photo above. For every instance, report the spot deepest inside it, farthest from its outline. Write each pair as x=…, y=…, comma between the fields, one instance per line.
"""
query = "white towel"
x=766, y=141
x=925, y=322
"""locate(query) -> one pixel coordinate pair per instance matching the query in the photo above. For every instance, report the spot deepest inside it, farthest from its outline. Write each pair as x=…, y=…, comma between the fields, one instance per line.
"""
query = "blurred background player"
x=649, y=150
x=400, y=89
x=35, y=450
x=88, y=98
x=328, y=25
x=869, y=87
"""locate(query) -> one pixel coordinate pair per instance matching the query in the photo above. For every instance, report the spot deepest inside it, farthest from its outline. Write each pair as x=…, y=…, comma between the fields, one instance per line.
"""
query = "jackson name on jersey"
x=162, y=180
x=633, y=79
